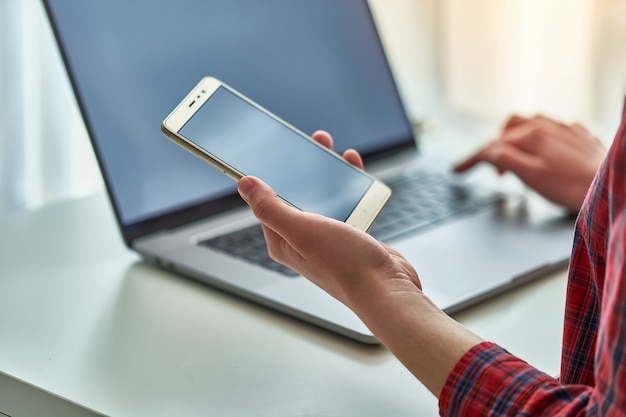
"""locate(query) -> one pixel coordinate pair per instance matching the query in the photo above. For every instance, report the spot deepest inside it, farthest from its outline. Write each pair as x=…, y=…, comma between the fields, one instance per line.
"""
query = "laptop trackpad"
x=470, y=256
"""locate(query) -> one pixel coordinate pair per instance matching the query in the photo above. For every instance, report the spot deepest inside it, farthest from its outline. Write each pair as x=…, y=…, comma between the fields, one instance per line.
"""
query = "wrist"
x=427, y=341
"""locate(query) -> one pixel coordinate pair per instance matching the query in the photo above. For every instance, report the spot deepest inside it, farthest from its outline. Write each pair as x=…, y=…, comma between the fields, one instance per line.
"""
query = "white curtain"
x=553, y=57
x=486, y=59
x=44, y=153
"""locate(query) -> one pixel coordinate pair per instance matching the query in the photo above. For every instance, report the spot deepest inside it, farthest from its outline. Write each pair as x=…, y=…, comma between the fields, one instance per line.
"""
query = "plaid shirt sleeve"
x=488, y=381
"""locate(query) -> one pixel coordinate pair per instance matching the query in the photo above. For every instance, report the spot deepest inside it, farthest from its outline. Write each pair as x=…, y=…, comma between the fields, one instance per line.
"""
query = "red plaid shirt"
x=489, y=381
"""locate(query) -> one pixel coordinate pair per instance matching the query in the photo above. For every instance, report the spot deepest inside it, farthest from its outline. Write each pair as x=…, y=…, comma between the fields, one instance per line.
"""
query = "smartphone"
x=239, y=137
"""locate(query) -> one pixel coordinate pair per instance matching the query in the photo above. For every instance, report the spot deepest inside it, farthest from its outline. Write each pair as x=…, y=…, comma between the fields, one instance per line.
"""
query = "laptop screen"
x=316, y=64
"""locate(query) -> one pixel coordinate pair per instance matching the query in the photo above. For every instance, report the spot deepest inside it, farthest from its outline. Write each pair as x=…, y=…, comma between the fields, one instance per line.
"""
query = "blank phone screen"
x=254, y=143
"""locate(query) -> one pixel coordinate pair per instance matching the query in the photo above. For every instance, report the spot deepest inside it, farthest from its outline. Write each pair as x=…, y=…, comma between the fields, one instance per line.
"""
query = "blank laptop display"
x=318, y=65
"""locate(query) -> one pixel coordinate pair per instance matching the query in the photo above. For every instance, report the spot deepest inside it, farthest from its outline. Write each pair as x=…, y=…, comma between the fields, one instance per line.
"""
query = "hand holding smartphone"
x=238, y=137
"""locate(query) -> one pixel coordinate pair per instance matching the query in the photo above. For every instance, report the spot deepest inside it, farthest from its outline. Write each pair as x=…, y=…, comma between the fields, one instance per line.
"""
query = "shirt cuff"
x=488, y=379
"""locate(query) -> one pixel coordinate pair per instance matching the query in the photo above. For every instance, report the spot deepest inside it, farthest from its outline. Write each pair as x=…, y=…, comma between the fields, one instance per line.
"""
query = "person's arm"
x=372, y=279
x=470, y=376
x=559, y=161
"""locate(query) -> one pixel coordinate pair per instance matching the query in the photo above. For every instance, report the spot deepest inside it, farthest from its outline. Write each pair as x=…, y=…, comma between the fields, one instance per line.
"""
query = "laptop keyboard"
x=422, y=199
x=247, y=244
x=419, y=200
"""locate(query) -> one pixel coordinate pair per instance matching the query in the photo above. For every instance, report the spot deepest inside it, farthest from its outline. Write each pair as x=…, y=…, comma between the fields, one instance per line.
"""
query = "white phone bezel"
x=364, y=212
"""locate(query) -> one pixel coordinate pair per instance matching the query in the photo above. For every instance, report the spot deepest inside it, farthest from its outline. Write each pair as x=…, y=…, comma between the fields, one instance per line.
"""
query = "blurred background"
x=463, y=66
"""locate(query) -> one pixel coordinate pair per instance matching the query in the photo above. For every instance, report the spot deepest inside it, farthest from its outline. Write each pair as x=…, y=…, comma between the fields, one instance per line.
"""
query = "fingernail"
x=245, y=186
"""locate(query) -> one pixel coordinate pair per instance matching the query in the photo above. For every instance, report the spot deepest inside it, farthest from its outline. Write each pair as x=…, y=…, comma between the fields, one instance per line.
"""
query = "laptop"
x=318, y=65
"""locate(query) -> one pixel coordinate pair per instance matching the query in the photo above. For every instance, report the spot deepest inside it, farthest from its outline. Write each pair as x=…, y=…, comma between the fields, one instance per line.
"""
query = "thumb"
x=246, y=186
x=266, y=205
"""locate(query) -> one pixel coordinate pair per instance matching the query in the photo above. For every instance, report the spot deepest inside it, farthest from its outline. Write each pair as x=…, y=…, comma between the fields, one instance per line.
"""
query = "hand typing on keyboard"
x=559, y=161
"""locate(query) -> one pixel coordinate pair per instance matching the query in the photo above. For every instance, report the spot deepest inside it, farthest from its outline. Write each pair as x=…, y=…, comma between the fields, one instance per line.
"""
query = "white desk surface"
x=83, y=318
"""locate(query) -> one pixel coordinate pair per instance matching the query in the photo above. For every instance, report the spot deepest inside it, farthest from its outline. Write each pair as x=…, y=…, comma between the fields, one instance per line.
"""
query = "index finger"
x=323, y=138
x=472, y=160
